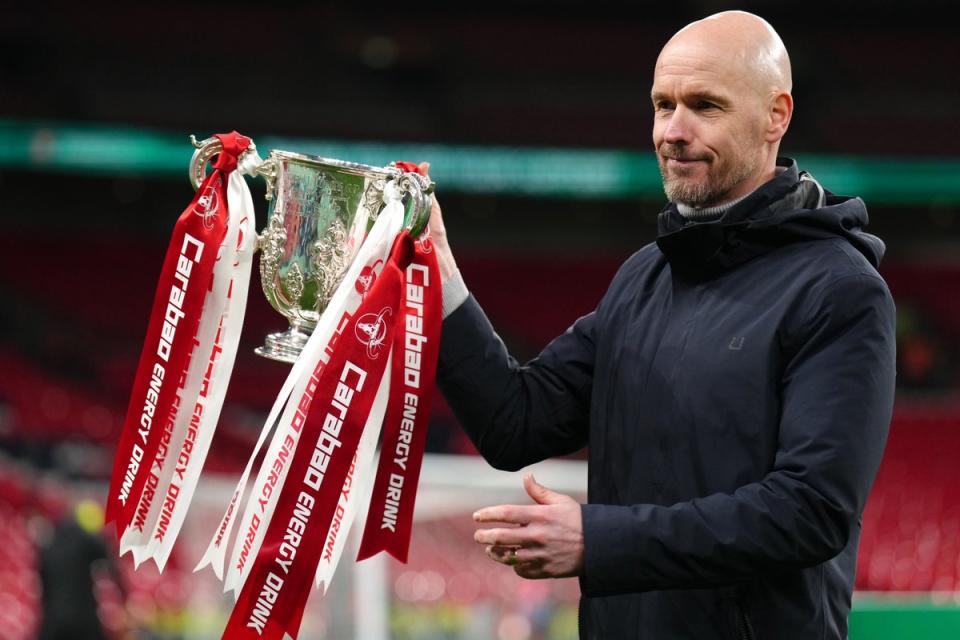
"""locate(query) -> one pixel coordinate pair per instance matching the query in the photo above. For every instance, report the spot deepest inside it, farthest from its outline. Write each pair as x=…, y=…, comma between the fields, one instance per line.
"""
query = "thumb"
x=540, y=494
x=424, y=168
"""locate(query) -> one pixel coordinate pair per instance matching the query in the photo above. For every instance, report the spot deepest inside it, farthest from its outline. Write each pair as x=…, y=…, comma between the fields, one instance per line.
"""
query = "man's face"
x=708, y=127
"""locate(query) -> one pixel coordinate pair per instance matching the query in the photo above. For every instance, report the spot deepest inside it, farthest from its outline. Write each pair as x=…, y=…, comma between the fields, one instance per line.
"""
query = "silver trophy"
x=319, y=214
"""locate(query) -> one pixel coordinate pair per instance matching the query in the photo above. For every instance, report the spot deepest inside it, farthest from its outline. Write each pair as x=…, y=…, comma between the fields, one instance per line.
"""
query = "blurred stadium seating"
x=83, y=240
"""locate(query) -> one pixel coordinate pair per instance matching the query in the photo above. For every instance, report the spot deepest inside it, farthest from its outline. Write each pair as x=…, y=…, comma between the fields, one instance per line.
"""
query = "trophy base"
x=284, y=346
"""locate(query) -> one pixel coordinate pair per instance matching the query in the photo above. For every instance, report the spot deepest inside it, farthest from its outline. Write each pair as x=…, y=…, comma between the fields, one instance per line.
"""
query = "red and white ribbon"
x=342, y=392
x=187, y=360
x=408, y=386
x=372, y=355
x=213, y=374
x=266, y=488
x=415, y=350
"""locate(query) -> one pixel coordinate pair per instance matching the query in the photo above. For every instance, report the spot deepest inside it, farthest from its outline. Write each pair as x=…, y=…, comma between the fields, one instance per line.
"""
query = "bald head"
x=742, y=40
x=722, y=103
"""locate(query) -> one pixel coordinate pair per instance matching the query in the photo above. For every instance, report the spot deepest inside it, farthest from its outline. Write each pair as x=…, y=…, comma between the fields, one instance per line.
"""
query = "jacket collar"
x=671, y=221
x=701, y=250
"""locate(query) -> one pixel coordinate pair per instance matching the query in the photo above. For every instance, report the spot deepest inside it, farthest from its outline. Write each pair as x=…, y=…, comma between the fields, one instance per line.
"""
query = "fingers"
x=526, y=563
x=542, y=495
x=514, y=555
x=438, y=231
x=437, y=228
x=503, y=554
x=518, y=537
x=531, y=571
x=511, y=513
x=546, y=539
x=539, y=493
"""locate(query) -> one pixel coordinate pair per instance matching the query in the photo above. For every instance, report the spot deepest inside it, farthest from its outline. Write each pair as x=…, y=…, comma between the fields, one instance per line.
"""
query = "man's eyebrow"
x=657, y=96
x=696, y=96
x=709, y=96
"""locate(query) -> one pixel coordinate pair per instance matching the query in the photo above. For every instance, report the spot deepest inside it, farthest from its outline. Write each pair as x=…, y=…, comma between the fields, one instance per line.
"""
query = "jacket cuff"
x=610, y=550
x=454, y=293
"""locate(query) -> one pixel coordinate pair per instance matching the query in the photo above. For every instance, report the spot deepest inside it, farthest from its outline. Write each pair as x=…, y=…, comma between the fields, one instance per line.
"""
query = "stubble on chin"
x=681, y=187
x=707, y=191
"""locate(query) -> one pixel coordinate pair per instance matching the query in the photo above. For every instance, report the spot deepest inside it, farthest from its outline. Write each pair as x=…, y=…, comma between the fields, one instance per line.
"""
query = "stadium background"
x=536, y=118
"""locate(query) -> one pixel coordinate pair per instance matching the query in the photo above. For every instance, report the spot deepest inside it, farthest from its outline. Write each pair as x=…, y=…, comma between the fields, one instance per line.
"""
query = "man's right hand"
x=448, y=266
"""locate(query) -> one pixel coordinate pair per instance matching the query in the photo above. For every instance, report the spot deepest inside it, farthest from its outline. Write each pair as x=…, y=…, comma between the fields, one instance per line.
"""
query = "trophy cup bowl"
x=319, y=213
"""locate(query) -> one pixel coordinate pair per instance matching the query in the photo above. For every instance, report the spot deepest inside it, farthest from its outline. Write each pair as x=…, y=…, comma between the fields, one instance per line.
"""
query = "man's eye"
x=663, y=106
x=704, y=104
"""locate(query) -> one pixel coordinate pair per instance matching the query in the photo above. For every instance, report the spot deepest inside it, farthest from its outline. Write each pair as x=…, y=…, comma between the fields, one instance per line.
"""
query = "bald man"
x=734, y=385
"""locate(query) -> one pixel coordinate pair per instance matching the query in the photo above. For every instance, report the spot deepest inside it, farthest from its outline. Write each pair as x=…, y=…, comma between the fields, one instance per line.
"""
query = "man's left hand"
x=548, y=541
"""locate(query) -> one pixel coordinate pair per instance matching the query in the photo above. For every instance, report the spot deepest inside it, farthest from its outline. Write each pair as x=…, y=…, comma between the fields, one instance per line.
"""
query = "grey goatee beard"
x=721, y=178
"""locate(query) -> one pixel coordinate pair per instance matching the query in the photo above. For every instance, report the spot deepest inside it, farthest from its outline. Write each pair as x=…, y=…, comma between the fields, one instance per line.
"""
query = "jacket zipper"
x=744, y=629
x=580, y=619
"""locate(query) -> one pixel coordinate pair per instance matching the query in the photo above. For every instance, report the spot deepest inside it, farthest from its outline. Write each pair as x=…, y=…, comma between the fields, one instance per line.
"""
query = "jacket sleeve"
x=837, y=398
x=516, y=414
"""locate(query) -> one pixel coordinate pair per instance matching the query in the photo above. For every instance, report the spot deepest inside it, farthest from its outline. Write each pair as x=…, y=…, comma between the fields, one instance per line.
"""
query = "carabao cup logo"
x=366, y=278
x=426, y=243
x=208, y=204
x=371, y=330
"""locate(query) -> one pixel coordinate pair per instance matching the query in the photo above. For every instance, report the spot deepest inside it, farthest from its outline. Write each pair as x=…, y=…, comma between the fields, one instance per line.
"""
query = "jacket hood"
x=792, y=207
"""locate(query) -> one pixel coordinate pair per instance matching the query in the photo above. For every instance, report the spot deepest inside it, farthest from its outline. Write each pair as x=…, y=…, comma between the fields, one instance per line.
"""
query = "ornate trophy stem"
x=285, y=346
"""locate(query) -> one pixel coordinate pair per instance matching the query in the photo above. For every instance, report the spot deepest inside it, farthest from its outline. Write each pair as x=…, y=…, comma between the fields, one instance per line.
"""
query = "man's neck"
x=705, y=214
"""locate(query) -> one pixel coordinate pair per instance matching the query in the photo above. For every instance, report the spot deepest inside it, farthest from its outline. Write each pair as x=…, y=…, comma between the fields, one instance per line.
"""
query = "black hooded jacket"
x=735, y=387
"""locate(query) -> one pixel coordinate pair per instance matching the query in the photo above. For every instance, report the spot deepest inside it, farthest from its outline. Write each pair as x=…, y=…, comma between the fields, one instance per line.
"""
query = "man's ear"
x=781, y=110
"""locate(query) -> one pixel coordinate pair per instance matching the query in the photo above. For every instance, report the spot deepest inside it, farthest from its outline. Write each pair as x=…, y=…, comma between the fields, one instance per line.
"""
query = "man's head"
x=721, y=99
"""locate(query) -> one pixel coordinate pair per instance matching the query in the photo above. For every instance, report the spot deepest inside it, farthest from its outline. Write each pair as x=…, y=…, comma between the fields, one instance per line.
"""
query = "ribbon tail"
x=416, y=347
x=356, y=493
x=176, y=316
x=317, y=471
x=220, y=353
x=215, y=554
x=345, y=299
x=169, y=494
x=333, y=427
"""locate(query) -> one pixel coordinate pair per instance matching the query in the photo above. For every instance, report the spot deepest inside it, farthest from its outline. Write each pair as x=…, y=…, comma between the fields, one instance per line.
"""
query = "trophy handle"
x=417, y=213
x=205, y=150
x=249, y=163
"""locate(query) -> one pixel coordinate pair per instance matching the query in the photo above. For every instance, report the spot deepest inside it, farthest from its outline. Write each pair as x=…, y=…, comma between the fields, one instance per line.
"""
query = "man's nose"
x=678, y=127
